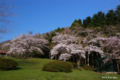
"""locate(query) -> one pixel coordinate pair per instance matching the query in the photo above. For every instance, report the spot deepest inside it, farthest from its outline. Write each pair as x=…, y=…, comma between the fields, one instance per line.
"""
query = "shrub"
x=74, y=65
x=58, y=66
x=7, y=64
x=86, y=67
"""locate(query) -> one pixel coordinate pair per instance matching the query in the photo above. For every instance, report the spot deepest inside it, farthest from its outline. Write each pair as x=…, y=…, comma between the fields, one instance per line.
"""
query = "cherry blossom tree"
x=67, y=30
x=70, y=49
x=65, y=52
x=110, y=46
x=93, y=43
x=65, y=39
x=67, y=45
x=112, y=49
x=25, y=44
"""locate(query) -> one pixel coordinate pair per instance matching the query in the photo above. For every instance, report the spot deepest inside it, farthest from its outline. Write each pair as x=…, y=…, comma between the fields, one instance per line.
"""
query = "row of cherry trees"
x=67, y=46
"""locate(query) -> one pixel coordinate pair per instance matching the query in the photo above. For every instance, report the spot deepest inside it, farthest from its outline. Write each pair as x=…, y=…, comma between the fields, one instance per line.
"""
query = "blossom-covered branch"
x=26, y=44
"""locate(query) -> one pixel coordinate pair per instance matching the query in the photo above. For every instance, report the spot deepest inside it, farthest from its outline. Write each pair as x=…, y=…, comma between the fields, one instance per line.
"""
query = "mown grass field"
x=31, y=69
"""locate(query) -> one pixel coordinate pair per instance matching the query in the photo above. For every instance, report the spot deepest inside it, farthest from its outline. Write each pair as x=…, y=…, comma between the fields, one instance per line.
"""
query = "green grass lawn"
x=31, y=69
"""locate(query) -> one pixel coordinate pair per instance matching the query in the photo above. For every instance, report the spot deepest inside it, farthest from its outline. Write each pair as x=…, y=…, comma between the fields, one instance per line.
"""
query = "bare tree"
x=5, y=15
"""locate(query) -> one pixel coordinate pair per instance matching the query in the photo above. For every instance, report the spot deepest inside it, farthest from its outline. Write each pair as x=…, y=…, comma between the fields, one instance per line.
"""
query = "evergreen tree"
x=101, y=17
x=94, y=21
x=58, y=30
x=98, y=19
x=79, y=21
x=75, y=21
x=74, y=24
x=117, y=13
x=88, y=21
x=84, y=23
x=62, y=29
x=111, y=18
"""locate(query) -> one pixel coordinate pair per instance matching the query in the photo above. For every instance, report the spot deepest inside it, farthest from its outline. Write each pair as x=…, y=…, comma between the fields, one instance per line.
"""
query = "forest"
x=111, y=18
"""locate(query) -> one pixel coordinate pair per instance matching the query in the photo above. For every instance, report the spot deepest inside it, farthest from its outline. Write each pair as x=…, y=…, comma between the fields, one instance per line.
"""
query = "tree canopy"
x=100, y=19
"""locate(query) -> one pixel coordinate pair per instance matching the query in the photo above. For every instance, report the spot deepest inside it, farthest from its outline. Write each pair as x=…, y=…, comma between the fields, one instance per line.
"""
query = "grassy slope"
x=30, y=69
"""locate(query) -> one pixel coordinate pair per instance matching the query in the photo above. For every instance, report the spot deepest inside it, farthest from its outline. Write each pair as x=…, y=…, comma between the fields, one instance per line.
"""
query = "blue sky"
x=41, y=16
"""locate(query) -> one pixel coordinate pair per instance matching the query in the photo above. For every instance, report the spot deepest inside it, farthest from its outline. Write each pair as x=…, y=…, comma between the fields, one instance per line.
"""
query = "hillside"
x=94, y=42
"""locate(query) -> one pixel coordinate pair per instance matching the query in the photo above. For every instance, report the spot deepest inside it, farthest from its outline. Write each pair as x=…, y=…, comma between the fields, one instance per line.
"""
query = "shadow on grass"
x=90, y=68
x=17, y=68
x=80, y=69
x=95, y=70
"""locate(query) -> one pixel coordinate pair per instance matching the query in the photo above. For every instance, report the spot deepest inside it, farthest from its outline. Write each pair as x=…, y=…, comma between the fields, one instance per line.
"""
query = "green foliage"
x=59, y=30
x=53, y=34
x=49, y=36
x=87, y=21
x=7, y=64
x=95, y=21
x=58, y=66
x=117, y=12
x=76, y=23
x=111, y=18
x=100, y=19
x=84, y=23
x=79, y=21
x=73, y=24
x=74, y=65
x=62, y=29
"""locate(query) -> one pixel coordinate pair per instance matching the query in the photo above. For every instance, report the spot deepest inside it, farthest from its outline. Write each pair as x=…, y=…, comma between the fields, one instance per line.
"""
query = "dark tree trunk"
x=25, y=56
x=85, y=61
x=73, y=58
x=88, y=60
x=55, y=57
x=78, y=61
x=118, y=67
